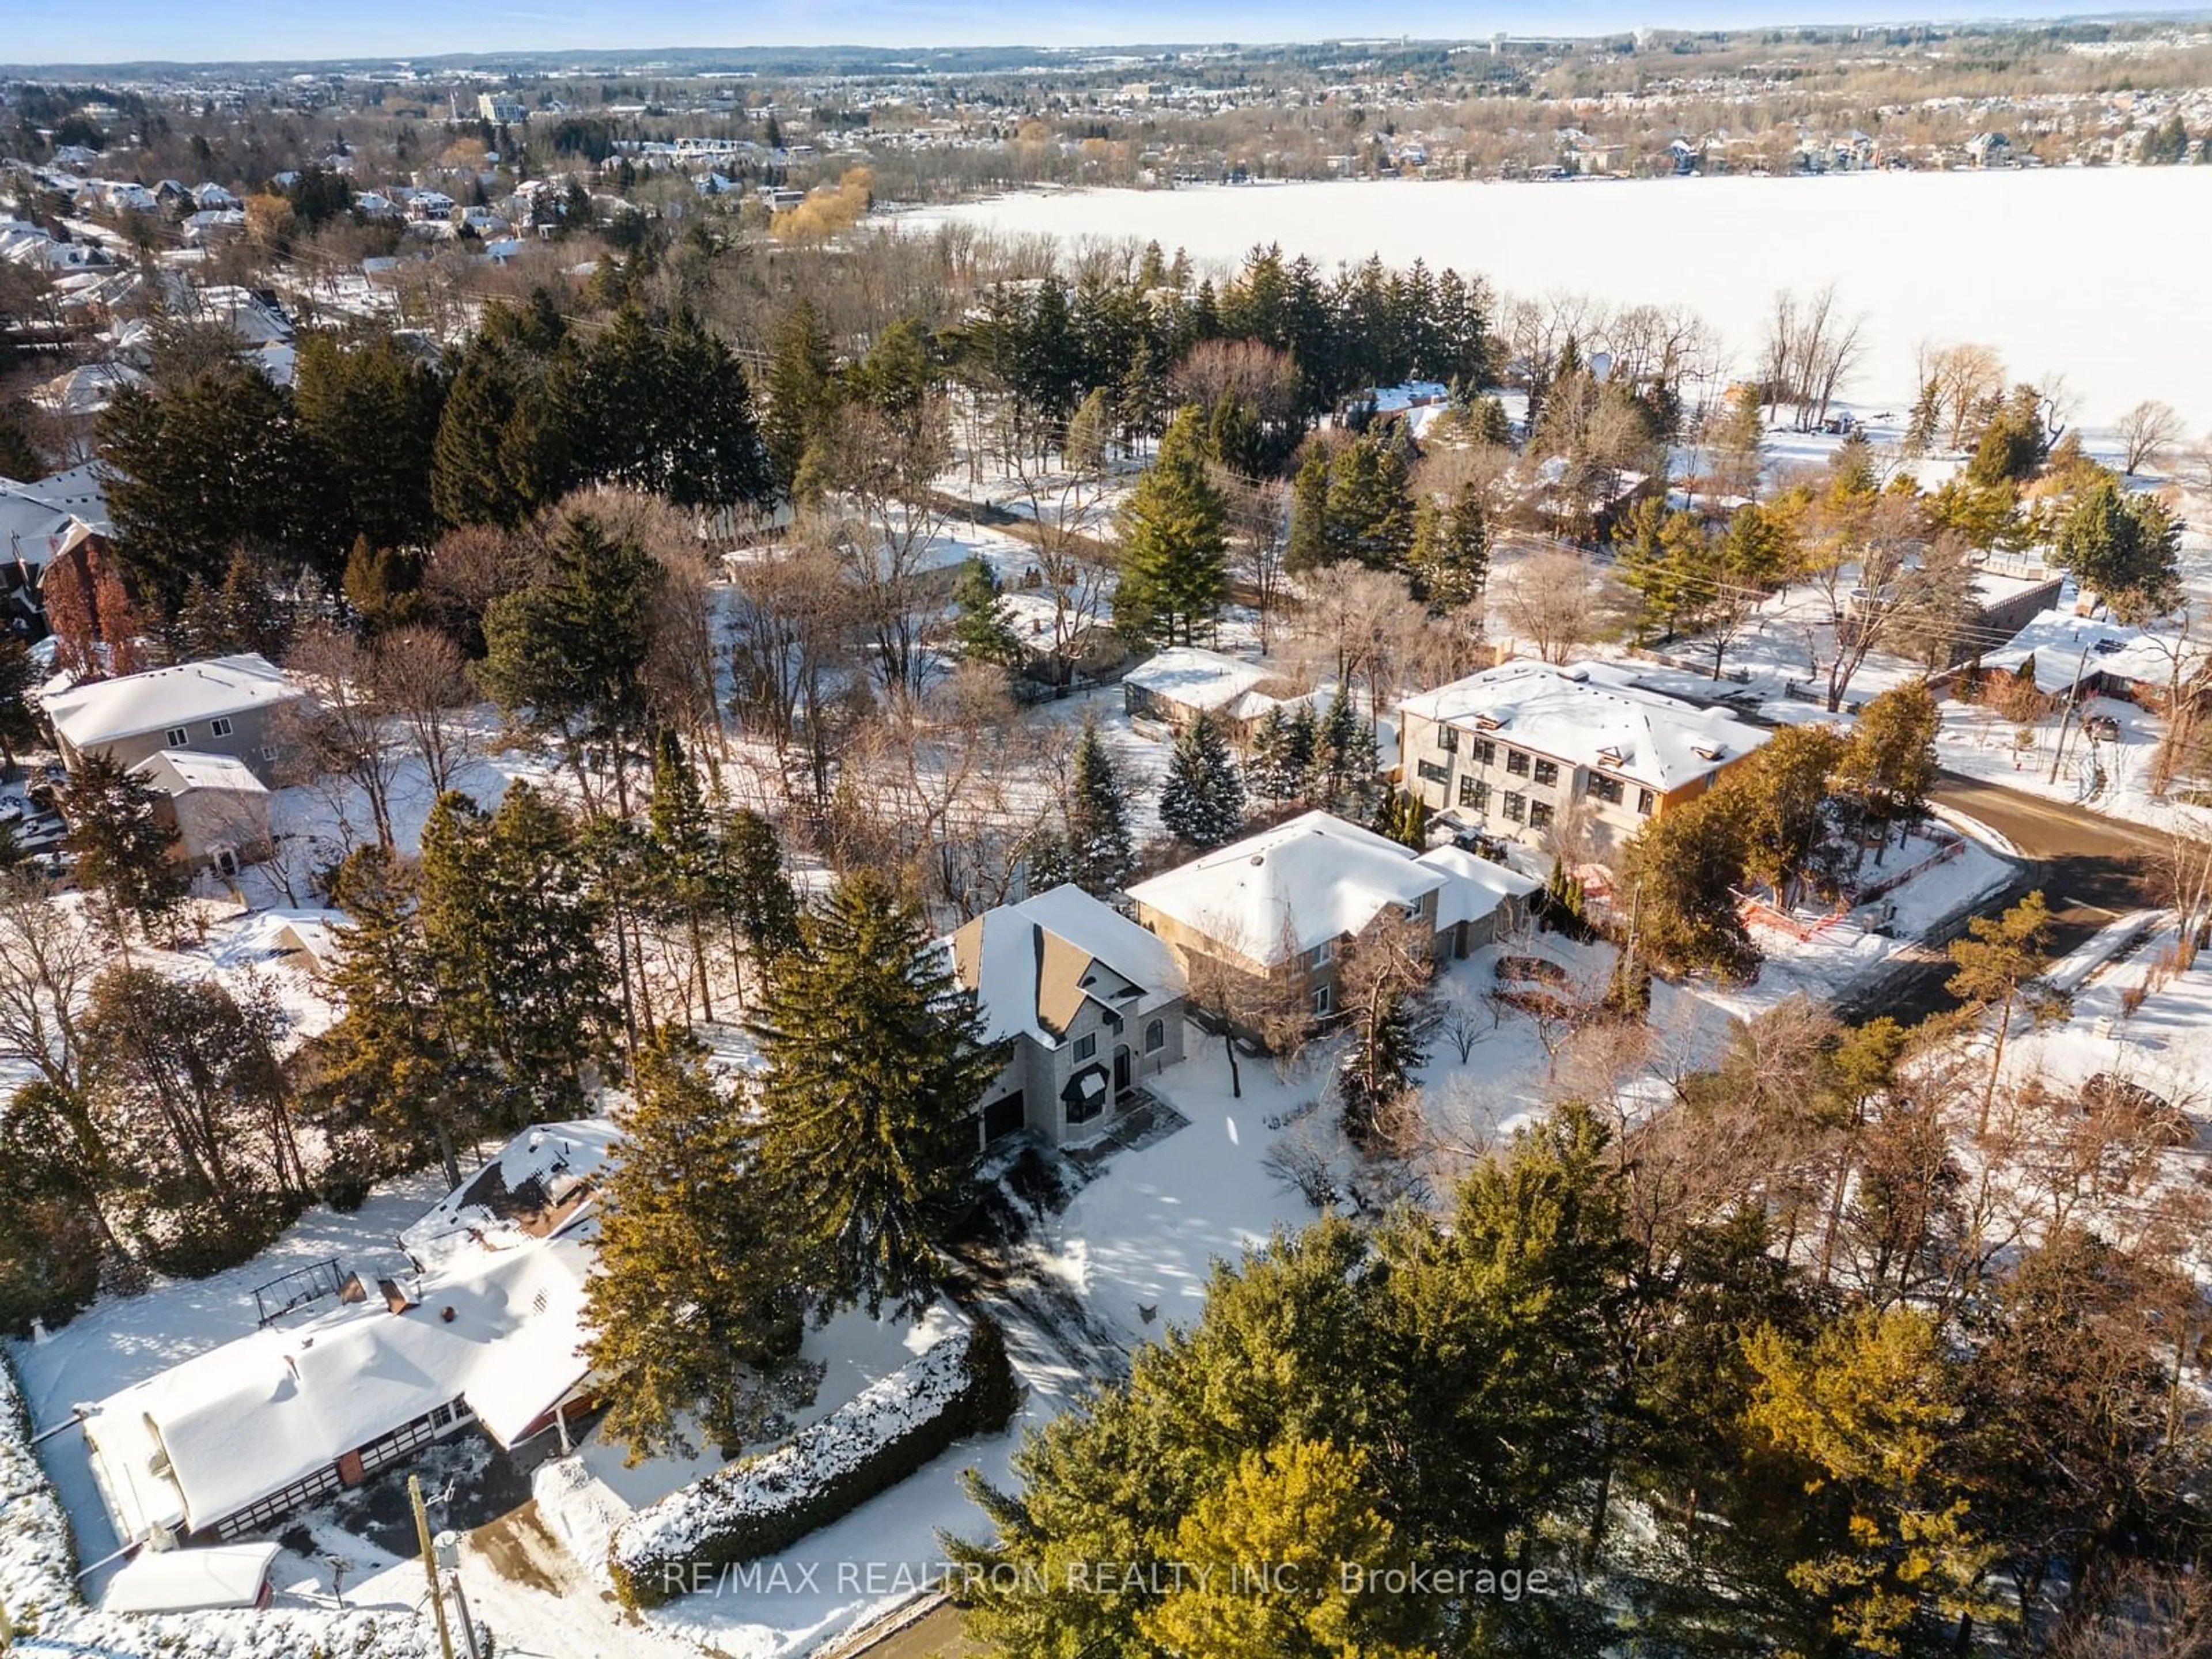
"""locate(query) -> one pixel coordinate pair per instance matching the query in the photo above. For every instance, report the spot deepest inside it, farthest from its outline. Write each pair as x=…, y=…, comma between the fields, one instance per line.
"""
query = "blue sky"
x=112, y=31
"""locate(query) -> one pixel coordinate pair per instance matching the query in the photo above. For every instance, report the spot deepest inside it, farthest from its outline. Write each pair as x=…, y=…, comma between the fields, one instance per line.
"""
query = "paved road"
x=2091, y=868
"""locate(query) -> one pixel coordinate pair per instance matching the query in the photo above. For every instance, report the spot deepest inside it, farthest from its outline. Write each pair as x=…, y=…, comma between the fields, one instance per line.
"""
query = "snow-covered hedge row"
x=964, y=1385
x=37, y=1583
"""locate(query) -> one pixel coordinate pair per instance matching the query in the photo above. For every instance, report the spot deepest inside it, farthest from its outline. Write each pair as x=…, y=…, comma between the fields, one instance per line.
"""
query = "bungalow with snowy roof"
x=224, y=705
x=1179, y=685
x=484, y=1324
x=1263, y=921
x=1511, y=748
x=2072, y=657
x=1091, y=1002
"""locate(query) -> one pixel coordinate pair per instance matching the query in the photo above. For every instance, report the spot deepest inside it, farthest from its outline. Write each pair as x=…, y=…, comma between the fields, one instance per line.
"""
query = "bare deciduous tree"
x=2147, y=434
x=1553, y=599
x=421, y=677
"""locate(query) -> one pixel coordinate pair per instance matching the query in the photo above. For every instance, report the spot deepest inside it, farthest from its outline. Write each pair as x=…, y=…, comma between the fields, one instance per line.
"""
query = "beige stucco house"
x=1509, y=749
x=218, y=808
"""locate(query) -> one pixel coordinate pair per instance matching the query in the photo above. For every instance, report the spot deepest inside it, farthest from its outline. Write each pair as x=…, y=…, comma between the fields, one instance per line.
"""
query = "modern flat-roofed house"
x=1276, y=909
x=486, y=1328
x=1509, y=749
x=226, y=706
x=1090, y=1001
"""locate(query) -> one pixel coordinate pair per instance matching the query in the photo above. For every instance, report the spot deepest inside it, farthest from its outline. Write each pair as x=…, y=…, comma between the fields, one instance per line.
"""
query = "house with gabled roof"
x=223, y=706
x=1091, y=1002
x=481, y=1322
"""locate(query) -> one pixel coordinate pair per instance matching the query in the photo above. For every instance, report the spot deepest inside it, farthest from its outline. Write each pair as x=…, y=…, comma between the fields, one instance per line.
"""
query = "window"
x=176, y=737
x=1547, y=772
x=1517, y=806
x=1088, y=1107
x=269, y=751
x=1516, y=762
x=1321, y=1000
x=1432, y=773
x=1319, y=956
x=219, y=729
x=1646, y=802
x=1156, y=1035
x=1447, y=738
x=1540, y=815
x=1605, y=788
x=1086, y=1045
x=1485, y=752
x=1473, y=792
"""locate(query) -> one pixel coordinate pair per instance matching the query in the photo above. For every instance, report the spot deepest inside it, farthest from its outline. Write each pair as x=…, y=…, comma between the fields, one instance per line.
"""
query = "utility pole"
x=430, y=1564
x=2073, y=697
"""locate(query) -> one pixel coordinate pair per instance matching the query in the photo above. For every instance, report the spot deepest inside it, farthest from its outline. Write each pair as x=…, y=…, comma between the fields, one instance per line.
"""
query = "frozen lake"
x=2099, y=274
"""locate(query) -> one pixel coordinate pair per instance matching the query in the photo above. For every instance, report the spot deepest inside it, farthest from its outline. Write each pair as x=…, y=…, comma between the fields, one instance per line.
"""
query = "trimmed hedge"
x=964, y=1385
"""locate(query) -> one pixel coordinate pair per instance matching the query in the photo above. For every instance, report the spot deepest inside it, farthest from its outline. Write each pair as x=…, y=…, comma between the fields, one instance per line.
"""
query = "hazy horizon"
x=50, y=33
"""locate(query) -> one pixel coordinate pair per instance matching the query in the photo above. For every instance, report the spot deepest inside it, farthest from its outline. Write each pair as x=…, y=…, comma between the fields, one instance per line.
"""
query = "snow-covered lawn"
x=2104, y=774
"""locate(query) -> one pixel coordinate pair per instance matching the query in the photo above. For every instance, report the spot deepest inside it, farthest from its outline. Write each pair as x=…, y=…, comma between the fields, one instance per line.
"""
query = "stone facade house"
x=1091, y=1003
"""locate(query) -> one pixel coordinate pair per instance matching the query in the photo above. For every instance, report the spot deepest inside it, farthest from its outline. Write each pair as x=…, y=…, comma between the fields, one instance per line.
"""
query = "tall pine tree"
x=874, y=1061
x=692, y=1300
x=1173, y=544
x=1098, y=854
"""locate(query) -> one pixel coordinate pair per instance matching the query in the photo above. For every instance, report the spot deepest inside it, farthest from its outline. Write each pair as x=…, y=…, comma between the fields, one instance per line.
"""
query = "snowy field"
x=2023, y=261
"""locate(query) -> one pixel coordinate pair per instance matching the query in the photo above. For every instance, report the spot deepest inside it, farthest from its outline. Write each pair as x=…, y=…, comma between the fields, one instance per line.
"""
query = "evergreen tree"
x=1403, y=816
x=1099, y=857
x=1174, y=546
x=1312, y=541
x=567, y=657
x=471, y=479
x=374, y=409
x=1202, y=801
x=2122, y=546
x=1345, y=763
x=19, y=672
x=390, y=1059
x=1280, y=766
x=802, y=390
x=1449, y=560
x=124, y=852
x=759, y=893
x=513, y=929
x=1888, y=768
x=685, y=889
x=1370, y=507
x=874, y=1062
x=218, y=462
x=1678, y=878
x=692, y=1299
x=1378, y=1065
x=980, y=625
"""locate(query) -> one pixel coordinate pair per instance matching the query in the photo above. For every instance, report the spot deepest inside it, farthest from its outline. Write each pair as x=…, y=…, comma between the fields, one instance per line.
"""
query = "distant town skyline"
x=59, y=32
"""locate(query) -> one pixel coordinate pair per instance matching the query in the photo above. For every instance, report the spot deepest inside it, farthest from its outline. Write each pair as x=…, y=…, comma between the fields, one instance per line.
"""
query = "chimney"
x=395, y=1298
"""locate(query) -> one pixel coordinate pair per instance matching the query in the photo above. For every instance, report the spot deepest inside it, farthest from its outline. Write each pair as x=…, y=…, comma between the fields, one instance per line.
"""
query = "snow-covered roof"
x=1592, y=715
x=86, y=390
x=496, y=1321
x=175, y=771
x=526, y=1190
x=1289, y=889
x=191, y=1581
x=34, y=528
x=1032, y=965
x=107, y=711
x=1196, y=678
x=2064, y=647
x=1478, y=885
